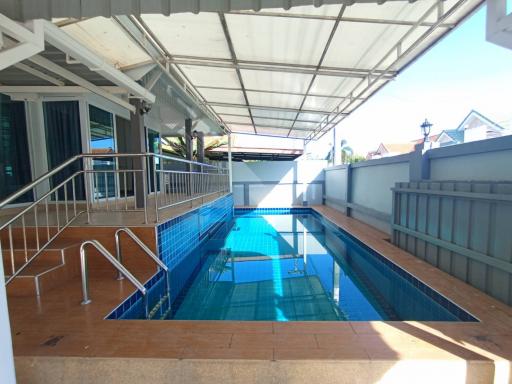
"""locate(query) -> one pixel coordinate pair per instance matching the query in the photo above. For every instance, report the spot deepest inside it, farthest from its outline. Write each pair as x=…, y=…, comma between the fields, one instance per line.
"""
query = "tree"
x=178, y=147
x=346, y=152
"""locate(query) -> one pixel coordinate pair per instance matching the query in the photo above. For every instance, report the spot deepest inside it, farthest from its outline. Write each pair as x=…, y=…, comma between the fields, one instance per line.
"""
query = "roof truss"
x=328, y=90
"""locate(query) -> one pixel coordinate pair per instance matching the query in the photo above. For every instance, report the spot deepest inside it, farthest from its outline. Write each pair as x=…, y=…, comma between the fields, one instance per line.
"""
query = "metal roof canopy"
x=294, y=72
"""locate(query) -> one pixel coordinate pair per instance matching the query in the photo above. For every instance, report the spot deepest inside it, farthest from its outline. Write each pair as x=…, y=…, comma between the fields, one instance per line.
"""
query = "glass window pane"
x=14, y=152
x=63, y=141
x=102, y=142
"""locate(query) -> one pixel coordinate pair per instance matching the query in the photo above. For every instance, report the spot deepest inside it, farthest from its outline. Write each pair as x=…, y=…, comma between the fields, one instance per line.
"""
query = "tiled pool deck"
x=58, y=340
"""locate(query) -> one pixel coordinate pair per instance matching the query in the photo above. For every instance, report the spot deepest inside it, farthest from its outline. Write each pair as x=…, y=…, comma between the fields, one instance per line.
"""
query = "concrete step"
x=49, y=257
x=51, y=268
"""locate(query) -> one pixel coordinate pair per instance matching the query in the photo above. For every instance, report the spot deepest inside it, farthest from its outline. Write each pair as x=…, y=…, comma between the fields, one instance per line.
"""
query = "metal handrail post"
x=119, y=257
x=85, y=273
x=87, y=184
x=145, y=188
x=139, y=242
x=155, y=187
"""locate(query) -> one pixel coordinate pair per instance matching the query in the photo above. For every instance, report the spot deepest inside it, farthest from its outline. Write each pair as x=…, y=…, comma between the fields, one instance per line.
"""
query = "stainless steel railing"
x=160, y=264
x=143, y=182
x=120, y=268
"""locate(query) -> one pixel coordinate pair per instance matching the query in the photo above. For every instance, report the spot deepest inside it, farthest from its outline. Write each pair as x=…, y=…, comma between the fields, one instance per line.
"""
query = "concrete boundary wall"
x=278, y=183
x=450, y=206
x=363, y=190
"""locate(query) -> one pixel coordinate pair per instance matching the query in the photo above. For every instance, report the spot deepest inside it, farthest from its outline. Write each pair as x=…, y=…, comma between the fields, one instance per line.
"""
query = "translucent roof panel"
x=241, y=128
x=364, y=45
x=272, y=131
x=273, y=122
x=270, y=62
x=330, y=85
x=104, y=37
x=236, y=119
x=211, y=76
x=223, y=96
x=299, y=134
x=257, y=112
x=321, y=103
x=189, y=34
x=231, y=110
x=274, y=99
x=310, y=117
x=276, y=81
x=278, y=39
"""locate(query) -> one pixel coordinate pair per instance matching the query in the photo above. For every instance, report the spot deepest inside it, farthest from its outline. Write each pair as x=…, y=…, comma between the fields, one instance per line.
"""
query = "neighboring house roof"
x=391, y=148
x=455, y=134
x=245, y=153
x=397, y=147
x=432, y=138
x=475, y=118
x=472, y=120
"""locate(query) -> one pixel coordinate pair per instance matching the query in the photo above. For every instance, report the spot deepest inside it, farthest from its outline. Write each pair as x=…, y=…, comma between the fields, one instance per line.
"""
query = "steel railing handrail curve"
x=120, y=267
x=71, y=160
x=169, y=187
x=140, y=243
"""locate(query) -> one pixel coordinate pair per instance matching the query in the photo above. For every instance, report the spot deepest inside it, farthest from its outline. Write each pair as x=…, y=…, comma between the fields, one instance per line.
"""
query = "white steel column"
x=6, y=355
x=230, y=164
x=28, y=43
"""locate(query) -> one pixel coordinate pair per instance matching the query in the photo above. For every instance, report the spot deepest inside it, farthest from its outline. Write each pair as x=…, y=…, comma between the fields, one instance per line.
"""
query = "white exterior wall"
x=278, y=183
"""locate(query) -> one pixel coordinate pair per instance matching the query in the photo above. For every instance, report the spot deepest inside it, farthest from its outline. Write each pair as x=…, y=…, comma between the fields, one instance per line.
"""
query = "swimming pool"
x=293, y=265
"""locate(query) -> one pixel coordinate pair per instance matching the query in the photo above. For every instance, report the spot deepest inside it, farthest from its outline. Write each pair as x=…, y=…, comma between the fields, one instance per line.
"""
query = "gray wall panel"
x=466, y=232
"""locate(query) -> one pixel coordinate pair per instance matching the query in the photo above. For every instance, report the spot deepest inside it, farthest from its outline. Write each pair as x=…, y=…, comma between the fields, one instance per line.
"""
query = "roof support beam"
x=271, y=126
x=24, y=44
x=275, y=92
x=399, y=55
x=357, y=73
x=64, y=73
x=52, y=89
x=138, y=32
x=235, y=62
x=269, y=108
x=320, y=61
x=271, y=118
x=38, y=73
x=343, y=19
x=68, y=45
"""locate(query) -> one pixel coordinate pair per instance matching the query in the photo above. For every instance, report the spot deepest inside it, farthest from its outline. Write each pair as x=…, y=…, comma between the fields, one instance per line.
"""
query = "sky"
x=460, y=73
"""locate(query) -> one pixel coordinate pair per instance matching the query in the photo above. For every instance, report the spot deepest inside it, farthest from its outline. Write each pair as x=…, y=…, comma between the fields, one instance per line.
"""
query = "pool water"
x=299, y=267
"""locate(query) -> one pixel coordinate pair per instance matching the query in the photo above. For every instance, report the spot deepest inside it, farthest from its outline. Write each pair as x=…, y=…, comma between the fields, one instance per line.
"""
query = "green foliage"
x=178, y=147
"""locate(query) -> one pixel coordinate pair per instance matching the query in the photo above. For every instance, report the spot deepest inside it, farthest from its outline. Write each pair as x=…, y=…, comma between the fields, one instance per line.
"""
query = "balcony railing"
x=89, y=183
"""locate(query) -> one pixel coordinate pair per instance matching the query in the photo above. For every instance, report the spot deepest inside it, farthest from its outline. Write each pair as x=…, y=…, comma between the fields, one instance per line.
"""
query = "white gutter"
x=61, y=40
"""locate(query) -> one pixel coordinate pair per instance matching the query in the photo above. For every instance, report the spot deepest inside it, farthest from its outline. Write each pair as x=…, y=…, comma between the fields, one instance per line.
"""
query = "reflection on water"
x=292, y=267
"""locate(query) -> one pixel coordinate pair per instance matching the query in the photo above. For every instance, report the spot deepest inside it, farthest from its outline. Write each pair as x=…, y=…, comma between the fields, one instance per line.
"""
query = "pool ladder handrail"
x=115, y=262
x=160, y=264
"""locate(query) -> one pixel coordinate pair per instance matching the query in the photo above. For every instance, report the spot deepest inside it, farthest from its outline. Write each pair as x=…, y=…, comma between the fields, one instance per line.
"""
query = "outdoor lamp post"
x=425, y=129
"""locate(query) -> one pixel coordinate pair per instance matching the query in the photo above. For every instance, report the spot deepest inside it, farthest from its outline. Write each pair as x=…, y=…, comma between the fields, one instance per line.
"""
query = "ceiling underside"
x=290, y=73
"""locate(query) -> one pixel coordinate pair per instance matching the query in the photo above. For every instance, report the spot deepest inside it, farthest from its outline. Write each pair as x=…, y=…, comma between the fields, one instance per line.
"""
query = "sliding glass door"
x=14, y=150
x=102, y=141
